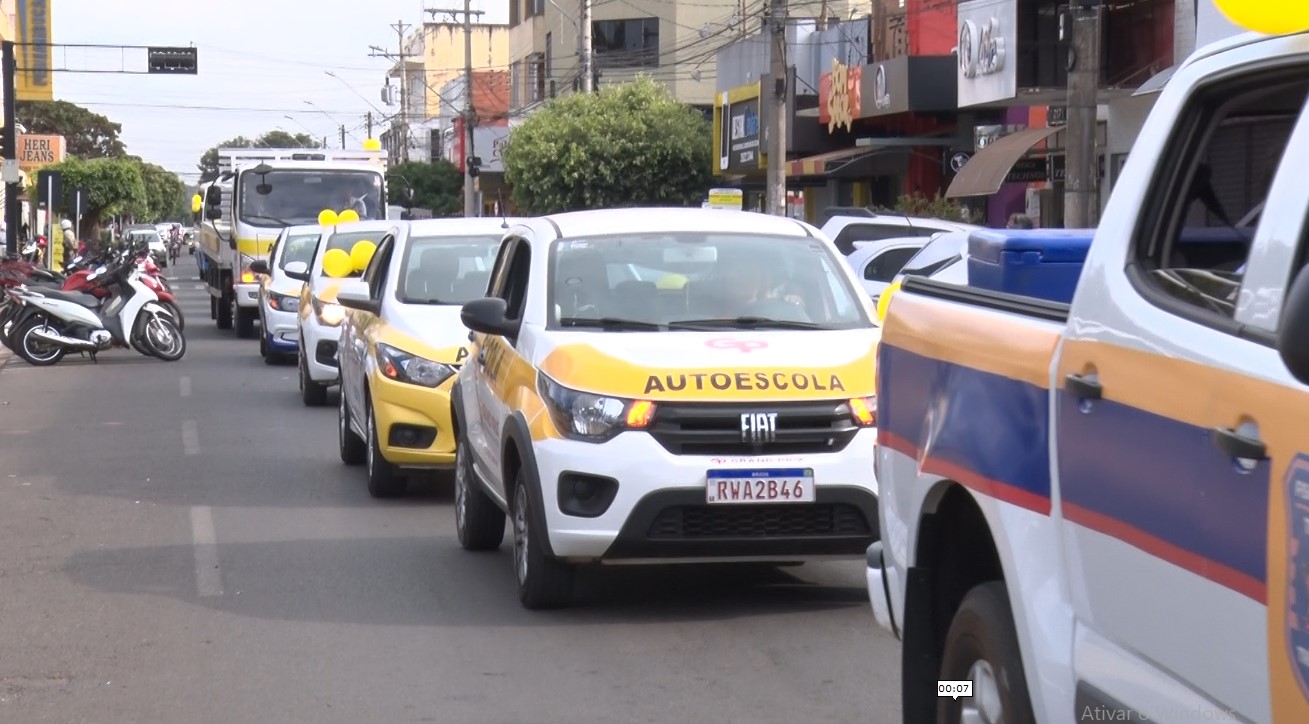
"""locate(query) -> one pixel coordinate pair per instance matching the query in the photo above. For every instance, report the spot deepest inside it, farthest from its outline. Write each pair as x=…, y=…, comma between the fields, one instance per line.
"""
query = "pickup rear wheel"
x=982, y=647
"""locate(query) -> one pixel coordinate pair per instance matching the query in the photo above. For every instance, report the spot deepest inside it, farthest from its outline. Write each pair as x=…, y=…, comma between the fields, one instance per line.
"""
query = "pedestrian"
x=1020, y=221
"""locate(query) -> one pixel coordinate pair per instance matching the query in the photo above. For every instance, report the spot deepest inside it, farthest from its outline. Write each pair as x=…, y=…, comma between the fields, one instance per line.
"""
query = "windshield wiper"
x=613, y=323
x=743, y=323
x=273, y=219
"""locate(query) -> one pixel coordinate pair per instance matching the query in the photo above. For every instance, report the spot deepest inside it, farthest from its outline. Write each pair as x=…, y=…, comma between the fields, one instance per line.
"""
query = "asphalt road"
x=180, y=543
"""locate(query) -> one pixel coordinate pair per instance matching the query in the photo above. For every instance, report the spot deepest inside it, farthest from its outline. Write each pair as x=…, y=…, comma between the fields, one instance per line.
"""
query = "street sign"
x=732, y=199
x=76, y=202
x=12, y=174
x=172, y=61
x=49, y=187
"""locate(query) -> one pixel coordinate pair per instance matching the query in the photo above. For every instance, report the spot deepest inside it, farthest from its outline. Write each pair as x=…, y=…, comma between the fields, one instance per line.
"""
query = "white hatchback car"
x=279, y=294
x=320, y=316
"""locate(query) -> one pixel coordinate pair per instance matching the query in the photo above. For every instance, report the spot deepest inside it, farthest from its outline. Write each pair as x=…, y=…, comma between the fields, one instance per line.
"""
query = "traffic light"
x=474, y=166
x=172, y=61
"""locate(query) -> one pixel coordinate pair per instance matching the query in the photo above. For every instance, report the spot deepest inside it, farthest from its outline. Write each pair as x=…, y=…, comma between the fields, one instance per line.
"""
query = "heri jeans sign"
x=987, y=36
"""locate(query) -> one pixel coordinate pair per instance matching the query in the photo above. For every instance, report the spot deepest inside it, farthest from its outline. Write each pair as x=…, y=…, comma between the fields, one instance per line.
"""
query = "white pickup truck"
x=1099, y=510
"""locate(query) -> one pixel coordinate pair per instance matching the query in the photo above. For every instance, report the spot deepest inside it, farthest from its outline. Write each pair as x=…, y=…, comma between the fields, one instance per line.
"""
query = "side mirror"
x=297, y=270
x=489, y=315
x=1292, y=340
x=213, y=196
x=355, y=295
x=259, y=266
x=213, y=213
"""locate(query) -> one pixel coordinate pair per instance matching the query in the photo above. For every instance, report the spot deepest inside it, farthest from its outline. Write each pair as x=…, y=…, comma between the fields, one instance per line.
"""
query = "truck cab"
x=1099, y=510
x=261, y=191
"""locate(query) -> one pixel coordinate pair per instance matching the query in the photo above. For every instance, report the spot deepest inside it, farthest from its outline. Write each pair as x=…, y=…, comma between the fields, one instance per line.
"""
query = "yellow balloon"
x=196, y=204
x=361, y=253
x=372, y=144
x=347, y=216
x=671, y=282
x=1273, y=17
x=884, y=301
x=327, y=217
x=337, y=264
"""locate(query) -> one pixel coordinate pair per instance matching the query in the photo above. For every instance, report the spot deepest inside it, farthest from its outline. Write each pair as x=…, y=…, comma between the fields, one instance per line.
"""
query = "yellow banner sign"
x=34, y=80
x=38, y=151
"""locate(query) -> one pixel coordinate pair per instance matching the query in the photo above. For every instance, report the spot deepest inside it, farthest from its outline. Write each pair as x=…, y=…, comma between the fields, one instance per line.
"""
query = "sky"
x=260, y=61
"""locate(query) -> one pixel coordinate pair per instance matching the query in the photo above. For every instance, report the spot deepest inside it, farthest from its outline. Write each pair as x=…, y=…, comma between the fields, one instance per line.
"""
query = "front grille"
x=758, y=521
x=715, y=429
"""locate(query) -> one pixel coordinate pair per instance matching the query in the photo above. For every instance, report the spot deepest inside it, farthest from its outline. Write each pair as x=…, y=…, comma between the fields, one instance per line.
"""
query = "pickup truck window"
x=1213, y=180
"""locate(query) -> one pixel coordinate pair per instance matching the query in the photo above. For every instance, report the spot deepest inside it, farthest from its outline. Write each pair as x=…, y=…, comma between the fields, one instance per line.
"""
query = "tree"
x=276, y=138
x=113, y=185
x=162, y=194
x=87, y=134
x=436, y=186
x=938, y=207
x=628, y=145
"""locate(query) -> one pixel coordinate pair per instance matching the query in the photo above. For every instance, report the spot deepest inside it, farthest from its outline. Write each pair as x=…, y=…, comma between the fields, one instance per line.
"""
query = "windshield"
x=700, y=281
x=297, y=197
x=149, y=236
x=939, y=253
x=446, y=269
x=346, y=241
x=299, y=248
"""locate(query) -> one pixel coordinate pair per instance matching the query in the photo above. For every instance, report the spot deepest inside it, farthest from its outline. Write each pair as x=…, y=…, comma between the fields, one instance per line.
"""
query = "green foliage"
x=628, y=145
x=937, y=207
x=162, y=195
x=436, y=186
x=113, y=186
x=87, y=134
x=276, y=138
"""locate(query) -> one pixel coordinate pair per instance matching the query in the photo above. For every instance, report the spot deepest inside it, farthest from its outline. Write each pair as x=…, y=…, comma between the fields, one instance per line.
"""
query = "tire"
x=164, y=339
x=543, y=581
x=225, y=304
x=384, y=480
x=478, y=520
x=313, y=393
x=213, y=308
x=245, y=323
x=30, y=349
x=176, y=313
x=263, y=349
x=353, y=449
x=982, y=647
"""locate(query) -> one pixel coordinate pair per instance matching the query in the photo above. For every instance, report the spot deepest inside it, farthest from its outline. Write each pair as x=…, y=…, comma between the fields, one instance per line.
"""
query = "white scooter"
x=53, y=323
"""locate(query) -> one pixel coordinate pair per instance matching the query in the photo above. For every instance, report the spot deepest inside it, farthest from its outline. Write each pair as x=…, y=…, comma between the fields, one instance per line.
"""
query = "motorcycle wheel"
x=164, y=339
x=33, y=350
x=176, y=311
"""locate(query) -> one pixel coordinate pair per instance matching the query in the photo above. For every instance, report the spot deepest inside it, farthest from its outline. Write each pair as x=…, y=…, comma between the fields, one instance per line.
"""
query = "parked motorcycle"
x=51, y=323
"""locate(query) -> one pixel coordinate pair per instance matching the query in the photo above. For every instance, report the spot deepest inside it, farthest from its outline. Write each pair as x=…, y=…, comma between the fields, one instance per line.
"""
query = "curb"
x=5, y=354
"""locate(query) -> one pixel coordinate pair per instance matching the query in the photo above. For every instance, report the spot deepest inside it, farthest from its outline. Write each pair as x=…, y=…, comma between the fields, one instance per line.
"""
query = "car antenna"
x=500, y=201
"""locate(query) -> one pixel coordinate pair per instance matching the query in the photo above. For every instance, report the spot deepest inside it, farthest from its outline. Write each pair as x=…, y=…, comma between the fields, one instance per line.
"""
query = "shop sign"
x=987, y=36
x=843, y=100
x=743, y=136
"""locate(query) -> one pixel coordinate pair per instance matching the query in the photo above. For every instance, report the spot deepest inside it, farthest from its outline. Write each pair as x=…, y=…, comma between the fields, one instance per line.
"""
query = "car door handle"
x=1083, y=388
x=1239, y=446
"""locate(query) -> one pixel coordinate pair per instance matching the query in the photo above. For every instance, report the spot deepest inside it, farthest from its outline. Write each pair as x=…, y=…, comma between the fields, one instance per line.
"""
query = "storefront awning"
x=1156, y=82
x=986, y=170
x=824, y=162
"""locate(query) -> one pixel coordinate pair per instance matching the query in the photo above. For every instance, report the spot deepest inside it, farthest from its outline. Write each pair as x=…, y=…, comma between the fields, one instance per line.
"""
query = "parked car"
x=876, y=263
x=852, y=227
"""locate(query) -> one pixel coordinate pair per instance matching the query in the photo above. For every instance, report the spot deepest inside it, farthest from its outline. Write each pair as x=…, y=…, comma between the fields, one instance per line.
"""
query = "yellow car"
x=402, y=342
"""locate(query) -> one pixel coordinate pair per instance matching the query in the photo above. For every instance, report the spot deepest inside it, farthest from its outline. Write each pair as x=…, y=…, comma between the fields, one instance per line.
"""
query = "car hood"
x=716, y=366
x=431, y=331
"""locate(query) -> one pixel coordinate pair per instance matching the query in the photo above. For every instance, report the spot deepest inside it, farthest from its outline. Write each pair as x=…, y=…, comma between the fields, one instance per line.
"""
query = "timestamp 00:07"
x=954, y=689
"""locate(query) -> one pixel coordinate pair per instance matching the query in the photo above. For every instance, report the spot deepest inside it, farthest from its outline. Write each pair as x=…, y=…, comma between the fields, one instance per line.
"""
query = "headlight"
x=283, y=302
x=401, y=366
x=589, y=417
x=329, y=313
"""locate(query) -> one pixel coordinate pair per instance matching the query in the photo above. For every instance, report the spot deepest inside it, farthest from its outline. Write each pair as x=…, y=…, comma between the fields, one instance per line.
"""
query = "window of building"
x=536, y=77
x=626, y=43
x=538, y=7
x=514, y=13
x=515, y=84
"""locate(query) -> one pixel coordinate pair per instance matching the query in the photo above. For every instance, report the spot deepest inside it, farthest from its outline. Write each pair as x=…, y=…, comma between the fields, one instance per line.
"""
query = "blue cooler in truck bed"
x=1042, y=263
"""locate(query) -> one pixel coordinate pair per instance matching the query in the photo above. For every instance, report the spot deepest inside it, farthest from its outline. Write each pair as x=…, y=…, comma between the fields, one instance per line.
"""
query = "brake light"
x=640, y=414
x=864, y=411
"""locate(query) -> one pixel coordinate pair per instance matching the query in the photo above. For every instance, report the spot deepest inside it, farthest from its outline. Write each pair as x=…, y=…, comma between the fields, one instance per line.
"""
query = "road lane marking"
x=185, y=385
x=208, y=578
x=190, y=438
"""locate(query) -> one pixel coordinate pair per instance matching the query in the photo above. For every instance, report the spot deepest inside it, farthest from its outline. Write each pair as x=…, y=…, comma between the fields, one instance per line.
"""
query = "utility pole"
x=343, y=135
x=1083, y=83
x=772, y=99
x=471, y=206
x=368, y=123
x=400, y=28
x=13, y=209
x=587, y=54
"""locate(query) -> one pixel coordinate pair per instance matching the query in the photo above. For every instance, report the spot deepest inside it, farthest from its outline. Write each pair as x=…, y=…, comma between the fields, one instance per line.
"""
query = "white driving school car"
x=279, y=294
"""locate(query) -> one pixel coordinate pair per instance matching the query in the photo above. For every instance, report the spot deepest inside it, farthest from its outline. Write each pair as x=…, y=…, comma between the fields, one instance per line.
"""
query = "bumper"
x=281, y=330
x=413, y=423
x=879, y=589
x=320, y=346
x=247, y=295
x=658, y=509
